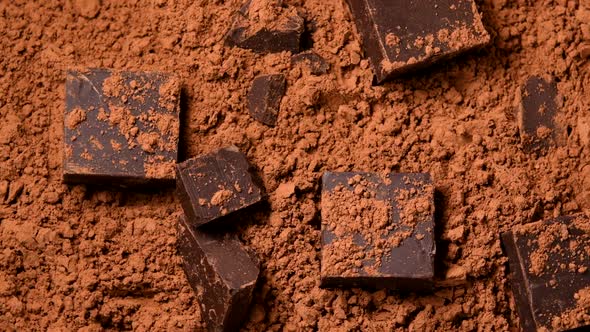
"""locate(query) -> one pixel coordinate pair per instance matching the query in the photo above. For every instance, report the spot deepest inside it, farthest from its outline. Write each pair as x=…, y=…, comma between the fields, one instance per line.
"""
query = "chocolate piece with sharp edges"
x=377, y=231
x=317, y=65
x=537, y=109
x=216, y=184
x=549, y=262
x=282, y=34
x=264, y=98
x=401, y=36
x=222, y=274
x=120, y=128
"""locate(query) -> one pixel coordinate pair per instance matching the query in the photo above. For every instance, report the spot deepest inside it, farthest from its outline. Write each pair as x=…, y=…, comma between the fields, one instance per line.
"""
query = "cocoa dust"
x=87, y=259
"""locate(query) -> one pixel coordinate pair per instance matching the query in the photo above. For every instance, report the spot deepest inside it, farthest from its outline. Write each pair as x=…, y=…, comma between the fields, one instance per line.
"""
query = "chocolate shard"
x=317, y=65
x=282, y=33
x=402, y=36
x=216, y=184
x=536, y=112
x=120, y=128
x=264, y=98
x=549, y=275
x=222, y=274
x=377, y=232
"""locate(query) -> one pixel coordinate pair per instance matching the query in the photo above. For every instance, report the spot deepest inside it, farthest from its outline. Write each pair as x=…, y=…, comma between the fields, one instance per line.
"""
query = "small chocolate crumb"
x=264, y=98
x=266, y=27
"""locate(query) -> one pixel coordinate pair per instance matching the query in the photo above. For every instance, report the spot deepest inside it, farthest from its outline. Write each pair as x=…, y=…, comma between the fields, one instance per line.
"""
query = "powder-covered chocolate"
x=76, y=258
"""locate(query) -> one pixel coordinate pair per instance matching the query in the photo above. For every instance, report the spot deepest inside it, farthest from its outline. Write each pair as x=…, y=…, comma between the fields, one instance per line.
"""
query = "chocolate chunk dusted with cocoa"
x=222, y=274
x=401, y=36
x=265, y=26
x=549, y=262
x=377, y=232
x=316, y=64
x=216, y=184
x=537, y=109
x=120, y=128
x=264, y=98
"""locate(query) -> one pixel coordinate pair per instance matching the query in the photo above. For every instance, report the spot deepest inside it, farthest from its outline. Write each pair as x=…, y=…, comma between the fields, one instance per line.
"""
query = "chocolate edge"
x=518, y=283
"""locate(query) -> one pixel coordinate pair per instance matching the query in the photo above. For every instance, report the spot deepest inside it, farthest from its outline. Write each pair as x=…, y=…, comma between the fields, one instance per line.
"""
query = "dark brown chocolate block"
x=216, y=184
x=264, y=98
x=549, y=262
x=282, y=34
x=222, y=274
x=537, y=109
x=317, y=65
x=377, y=232
x=404, y=35
x=120, y=128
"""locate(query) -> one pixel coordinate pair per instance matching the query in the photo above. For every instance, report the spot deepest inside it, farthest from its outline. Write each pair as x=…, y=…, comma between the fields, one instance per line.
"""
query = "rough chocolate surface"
x=281, y=34
x=120, y=128
x=222, y=274
x=537, y=109
x=400, y=36
x=215, y=185
x=264, y=98
x=550, y=280
x=316, y=64
x=377, y=232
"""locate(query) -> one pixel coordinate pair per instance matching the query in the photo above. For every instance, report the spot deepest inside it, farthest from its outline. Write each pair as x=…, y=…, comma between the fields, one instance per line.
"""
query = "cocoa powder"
x=82, y=258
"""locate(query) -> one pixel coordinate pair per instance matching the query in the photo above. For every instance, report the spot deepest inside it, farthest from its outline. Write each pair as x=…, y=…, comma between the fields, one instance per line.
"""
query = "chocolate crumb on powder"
x=537, y=114
x=266, y=26
x=264, y=98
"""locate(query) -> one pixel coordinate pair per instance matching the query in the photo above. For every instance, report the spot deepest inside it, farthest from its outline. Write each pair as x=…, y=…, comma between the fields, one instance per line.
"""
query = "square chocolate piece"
x=222, y=274
x=549, y=262
x=377, y=232
x=404, y=35
x=120, y=128
x=216, y=184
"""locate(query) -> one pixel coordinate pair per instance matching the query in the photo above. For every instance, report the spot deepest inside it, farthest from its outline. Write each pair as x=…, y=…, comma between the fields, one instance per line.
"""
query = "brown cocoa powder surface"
x=77, y=258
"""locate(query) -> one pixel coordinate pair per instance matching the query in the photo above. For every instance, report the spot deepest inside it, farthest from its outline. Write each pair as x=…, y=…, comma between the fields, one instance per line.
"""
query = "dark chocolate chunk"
x=550, y=280
x=283, y=33
x=120, y=128
x=537, y=108
x=317, y=65
x=377, y=232
x=216, y=184
x=222, y=274
x=264, y=98
x=401, y=36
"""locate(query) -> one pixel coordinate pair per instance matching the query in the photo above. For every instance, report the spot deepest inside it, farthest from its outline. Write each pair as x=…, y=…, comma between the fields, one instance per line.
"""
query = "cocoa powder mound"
x=77, y=258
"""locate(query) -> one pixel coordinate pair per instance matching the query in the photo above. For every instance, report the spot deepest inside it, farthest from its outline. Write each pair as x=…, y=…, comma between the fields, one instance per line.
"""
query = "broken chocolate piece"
x=282, y=33
x=215, y=185
x=537, y=108
x=401, y=36
x=264, y=98
x=222, y=274
x=377, y=232
x=549, y=263
x=317, y=65
x=120, y=128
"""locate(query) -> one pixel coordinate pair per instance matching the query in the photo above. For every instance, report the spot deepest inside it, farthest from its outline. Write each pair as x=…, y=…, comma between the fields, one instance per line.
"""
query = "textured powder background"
x=81, y=258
